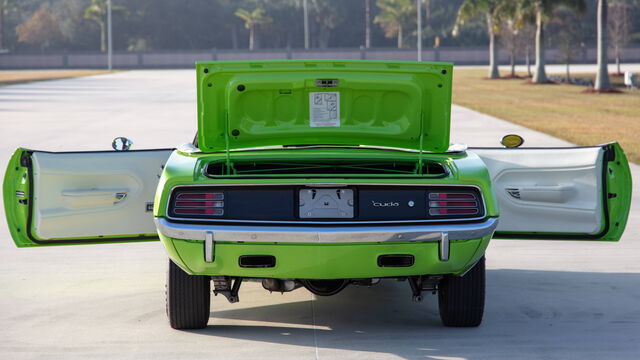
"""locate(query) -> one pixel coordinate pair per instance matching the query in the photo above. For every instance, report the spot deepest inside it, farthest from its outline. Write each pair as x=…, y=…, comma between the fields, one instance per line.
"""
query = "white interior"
x=89, y=194
x=554, y=190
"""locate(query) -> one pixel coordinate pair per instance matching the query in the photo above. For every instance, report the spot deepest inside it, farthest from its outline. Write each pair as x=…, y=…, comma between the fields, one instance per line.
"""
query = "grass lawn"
x=559, y=110
x=11, y=78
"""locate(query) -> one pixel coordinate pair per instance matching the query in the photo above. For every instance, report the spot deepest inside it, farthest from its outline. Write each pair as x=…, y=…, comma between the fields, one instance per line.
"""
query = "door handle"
x=79, y=199
x=553, y=193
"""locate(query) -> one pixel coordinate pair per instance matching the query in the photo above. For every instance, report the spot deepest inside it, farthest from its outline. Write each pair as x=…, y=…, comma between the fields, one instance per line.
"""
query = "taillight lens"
x=451, y=196
x=199, y=203
x=453, y=203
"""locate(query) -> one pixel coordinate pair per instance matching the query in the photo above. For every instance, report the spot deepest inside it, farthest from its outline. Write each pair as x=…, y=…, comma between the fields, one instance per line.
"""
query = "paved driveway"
x=551, y=300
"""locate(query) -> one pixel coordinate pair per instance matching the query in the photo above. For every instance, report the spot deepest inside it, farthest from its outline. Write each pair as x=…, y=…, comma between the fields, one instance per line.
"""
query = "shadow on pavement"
x=541, y=312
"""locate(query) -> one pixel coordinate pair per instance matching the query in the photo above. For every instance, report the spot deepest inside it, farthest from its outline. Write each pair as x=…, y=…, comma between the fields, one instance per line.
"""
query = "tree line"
x=517, y=25
x=49, y=25
x=515, y=21
x=54, y=25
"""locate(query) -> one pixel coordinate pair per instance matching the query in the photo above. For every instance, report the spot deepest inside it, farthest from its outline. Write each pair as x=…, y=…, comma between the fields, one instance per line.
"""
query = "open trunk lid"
x=246, y=104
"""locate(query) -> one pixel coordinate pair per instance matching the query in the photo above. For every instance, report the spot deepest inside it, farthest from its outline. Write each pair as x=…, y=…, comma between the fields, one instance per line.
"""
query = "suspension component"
x=420, y=283
x=227, y=287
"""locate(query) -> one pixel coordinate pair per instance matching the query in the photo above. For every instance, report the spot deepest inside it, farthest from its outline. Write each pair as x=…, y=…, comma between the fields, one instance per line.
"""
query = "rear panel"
x=368, y=203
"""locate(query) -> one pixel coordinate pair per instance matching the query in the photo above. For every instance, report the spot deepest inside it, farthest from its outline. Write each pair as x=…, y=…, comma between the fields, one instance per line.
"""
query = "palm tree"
x=328, y=14
x=394, y=16
x=514, y=31
x=602, y=75
x=251, y=20
x=493, y=10
x=542, y=10
x=97, y=12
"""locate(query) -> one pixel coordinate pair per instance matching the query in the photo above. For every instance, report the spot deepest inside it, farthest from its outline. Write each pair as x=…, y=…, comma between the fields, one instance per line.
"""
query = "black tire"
x=461, y=298
x=187, y=298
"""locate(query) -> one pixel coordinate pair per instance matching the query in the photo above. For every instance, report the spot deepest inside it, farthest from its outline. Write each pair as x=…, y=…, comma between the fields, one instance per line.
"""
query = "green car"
x=320, y=174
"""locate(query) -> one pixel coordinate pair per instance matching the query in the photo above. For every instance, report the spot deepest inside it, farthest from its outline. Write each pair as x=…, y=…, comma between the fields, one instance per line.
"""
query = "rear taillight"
x=453, y=203
x=199, y=203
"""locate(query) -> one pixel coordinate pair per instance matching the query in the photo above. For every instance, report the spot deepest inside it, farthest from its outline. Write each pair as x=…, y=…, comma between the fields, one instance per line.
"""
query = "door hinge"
x=609, y=153
x=25, y=159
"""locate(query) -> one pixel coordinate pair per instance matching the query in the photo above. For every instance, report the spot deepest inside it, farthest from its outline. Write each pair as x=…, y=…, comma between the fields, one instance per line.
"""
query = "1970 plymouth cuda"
x=319, y=174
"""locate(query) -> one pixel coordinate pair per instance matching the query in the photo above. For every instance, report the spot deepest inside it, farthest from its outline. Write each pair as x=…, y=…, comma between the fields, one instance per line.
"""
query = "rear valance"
x=340, y=102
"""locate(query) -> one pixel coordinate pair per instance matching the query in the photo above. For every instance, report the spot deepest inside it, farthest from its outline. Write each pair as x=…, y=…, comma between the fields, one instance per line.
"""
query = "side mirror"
x=512, y=141
x=121, y=144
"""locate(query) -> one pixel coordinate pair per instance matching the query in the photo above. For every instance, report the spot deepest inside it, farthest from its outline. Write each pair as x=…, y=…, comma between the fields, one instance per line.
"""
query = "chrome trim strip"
x=330, y=235
x=329, y=184
x=456, y=208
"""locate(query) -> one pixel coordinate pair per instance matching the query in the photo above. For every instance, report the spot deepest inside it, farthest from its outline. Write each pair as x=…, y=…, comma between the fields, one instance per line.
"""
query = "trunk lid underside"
x=330, y=102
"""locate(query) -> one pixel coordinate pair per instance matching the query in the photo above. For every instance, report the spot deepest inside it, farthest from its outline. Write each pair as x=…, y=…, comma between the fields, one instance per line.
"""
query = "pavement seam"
x=313, y=322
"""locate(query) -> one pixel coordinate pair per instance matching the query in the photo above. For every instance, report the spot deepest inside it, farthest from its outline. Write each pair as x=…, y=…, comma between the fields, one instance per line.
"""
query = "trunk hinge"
x=226, y=143
x=421, y=144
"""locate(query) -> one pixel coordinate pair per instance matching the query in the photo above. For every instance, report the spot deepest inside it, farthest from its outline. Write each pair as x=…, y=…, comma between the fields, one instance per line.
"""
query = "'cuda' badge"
x=387, y=204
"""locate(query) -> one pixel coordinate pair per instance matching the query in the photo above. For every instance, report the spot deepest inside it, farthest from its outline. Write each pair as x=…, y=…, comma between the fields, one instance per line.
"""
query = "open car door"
x=82, y=197
x=581, y=193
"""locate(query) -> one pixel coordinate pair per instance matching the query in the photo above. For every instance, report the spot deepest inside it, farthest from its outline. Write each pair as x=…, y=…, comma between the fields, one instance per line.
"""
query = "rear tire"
x=461, y=298
x=187, y=299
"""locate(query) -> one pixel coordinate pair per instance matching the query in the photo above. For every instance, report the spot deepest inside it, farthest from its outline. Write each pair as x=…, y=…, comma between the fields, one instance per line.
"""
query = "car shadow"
x=539, y=312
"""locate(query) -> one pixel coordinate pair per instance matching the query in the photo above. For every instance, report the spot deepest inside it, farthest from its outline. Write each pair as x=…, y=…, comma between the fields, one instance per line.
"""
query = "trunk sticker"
x=324, y=109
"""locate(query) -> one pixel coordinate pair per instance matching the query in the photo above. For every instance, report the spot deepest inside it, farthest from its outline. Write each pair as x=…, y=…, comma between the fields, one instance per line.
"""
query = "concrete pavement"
x=545, y=300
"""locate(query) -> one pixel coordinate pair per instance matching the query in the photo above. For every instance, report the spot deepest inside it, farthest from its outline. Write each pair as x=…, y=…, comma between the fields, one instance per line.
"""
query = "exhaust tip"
x=257, y=261
x=396, y=260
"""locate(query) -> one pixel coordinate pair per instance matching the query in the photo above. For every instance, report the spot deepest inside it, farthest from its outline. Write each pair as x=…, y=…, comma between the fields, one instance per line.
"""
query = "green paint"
x=382, y=103
x=324, y=261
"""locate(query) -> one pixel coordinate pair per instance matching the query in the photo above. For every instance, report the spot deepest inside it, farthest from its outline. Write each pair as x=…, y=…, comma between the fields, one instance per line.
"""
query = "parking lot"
x=545, y=299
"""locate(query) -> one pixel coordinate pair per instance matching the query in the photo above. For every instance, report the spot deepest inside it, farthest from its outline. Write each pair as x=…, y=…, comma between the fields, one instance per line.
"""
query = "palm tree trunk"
x=103, y=37
x=568, y=73
x=323, y=37
x=617, y=50
x=527, y=59
x=427, y=10
x=1, y=28
x=602, y=76
x=540, y=75
x=493, y=50
x=513, y=63
x=251, y=36
x=400, y=37
x=367, y=24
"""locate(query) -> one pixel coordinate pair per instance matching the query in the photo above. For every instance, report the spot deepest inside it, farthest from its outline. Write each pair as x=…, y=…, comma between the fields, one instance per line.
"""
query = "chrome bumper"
x=326, y=235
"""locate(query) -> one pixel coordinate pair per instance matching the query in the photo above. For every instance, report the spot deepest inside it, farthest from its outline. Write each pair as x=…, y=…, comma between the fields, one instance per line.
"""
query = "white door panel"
x=555, y=190
x=88, y=194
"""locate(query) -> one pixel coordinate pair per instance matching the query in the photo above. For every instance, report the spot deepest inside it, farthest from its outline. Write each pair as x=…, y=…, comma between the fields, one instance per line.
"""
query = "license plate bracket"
x=326, y=204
